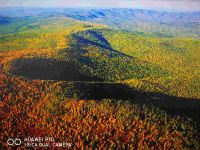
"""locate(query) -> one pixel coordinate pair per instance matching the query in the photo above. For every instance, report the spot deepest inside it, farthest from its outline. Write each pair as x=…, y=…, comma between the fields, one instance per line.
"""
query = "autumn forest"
x=100, y=78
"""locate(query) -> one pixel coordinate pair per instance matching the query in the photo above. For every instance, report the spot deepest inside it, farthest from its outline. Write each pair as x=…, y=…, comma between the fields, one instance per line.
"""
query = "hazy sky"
x=169, y=5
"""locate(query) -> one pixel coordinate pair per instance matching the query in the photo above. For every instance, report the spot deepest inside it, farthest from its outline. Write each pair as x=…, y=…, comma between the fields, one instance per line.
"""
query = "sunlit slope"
x=179, y=56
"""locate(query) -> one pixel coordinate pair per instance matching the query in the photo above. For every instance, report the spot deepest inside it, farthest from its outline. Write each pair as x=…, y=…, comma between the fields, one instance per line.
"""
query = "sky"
x=166, y=5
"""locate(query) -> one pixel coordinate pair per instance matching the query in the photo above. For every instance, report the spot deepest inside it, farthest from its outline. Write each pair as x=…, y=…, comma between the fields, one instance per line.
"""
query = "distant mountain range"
x=135, y=15
x=168, y=23
x=114, y=13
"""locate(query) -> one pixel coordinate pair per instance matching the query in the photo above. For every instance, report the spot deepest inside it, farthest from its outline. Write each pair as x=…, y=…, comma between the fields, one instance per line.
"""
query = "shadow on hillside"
x=102, y=43
x=99, y=37
x=48, y=69
x=173, y=105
